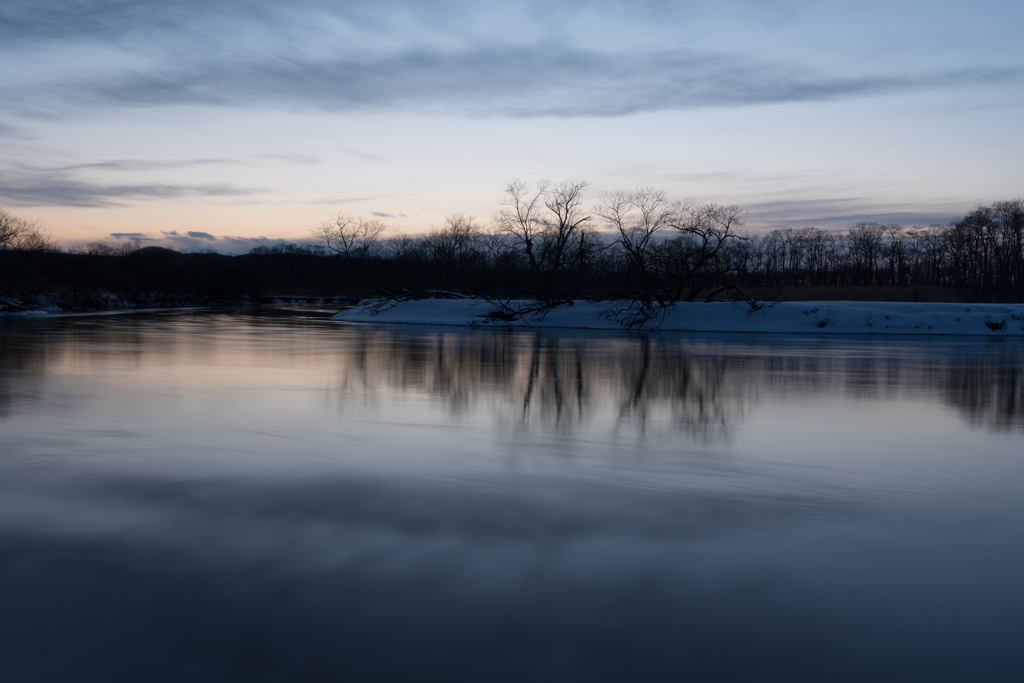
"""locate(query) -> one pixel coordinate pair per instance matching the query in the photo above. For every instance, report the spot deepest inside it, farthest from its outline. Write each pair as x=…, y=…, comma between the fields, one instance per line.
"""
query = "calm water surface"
x=261, y=494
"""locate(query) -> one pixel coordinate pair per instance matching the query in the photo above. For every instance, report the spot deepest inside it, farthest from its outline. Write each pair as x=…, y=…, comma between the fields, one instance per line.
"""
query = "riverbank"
x=823, y=317
x=48, y=304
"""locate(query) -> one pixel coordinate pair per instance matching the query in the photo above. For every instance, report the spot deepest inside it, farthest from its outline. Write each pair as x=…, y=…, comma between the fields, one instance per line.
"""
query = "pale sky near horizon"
x=236, y=120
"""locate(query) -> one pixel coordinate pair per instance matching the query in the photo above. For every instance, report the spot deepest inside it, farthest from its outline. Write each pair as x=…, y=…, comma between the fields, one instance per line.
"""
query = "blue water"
x=261, y=494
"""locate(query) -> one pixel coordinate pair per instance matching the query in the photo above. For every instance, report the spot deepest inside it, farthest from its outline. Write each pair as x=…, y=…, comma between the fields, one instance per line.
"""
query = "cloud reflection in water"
x=219, y=495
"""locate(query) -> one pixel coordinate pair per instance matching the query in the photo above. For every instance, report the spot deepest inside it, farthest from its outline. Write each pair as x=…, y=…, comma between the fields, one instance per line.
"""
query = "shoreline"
x=792, y=317
x=14, y=308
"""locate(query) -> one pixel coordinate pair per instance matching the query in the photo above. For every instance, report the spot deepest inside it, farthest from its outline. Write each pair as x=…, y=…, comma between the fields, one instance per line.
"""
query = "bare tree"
x=399, y=246
x=638, y=217
x=549, y=225
x=522, y=218
x=454, y=246
x=865, y=246
x=10, y=228
x=704, y=230
x=895, y=253
x=566, y=220
x=24, y=235
x=355, y=239
x=1009, y=217
x=34, y=238
x=352, y=237
x=99, y=248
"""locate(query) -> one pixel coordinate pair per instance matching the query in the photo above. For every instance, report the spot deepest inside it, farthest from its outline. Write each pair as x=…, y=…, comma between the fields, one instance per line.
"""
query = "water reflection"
x=265, y=495
x=667, y=385
x=556, y=384
x=700, y=387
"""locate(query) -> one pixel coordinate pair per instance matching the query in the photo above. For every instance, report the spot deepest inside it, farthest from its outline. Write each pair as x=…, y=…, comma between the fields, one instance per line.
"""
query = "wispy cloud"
x=447, y=55
x=342, y=200
x=530, y=81
x=842, y=212
x=135, y=165
x=8, y=131
x=61, y=189
x=298, y=159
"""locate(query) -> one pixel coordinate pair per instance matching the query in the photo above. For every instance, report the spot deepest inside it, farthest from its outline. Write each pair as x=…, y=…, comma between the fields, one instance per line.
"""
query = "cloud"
x=343, y=200
x=536, y=59
x=135, y=165
x=204, y=241
x=58, y=188
x=8, y=131
x=528, y=81
x=130, y=236
x=298, y=159
x=31, y=21
x=381, y=214
x=842, y=212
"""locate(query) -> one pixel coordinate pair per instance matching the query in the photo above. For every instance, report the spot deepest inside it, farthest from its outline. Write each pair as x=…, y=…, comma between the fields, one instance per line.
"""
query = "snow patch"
x=792, y=317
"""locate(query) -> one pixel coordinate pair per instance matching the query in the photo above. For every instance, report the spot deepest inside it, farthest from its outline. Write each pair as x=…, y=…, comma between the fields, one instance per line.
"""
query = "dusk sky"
x=236, y=120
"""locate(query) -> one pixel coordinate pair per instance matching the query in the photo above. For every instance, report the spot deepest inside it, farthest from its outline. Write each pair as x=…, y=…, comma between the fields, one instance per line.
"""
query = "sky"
x=221, y=124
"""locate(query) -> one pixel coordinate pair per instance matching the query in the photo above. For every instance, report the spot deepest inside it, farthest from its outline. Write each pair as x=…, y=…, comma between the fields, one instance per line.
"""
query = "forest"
x=546, y=243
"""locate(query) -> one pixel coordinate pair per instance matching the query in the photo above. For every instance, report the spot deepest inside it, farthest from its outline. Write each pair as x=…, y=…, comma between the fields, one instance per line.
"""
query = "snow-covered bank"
x=795, y=317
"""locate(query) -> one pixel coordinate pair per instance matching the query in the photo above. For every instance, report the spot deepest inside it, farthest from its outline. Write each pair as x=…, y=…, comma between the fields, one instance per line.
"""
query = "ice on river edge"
x=791, y=317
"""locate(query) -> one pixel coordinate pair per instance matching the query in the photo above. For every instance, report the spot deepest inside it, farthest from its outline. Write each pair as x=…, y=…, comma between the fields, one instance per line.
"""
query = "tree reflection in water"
x=669, y=385
x=547, y=382
x=184, y=489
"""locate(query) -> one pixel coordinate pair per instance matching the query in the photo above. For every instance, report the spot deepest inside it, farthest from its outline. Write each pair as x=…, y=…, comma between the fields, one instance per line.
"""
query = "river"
x=262, y=494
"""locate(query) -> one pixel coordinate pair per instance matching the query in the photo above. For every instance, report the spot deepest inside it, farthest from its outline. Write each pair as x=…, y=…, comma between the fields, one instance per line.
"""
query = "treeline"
x=164, y=277
x=981, y=255
x=546, y=243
